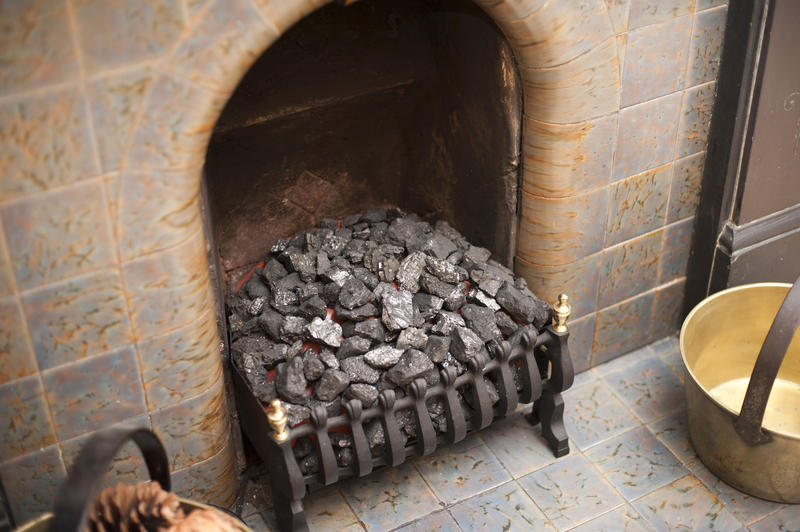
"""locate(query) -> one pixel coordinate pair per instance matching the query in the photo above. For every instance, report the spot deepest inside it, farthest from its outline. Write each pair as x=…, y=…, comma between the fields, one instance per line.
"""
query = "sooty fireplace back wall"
x=408, y=103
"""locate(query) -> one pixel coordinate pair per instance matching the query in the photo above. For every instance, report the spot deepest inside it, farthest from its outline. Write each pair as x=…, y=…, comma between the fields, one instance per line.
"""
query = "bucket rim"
x=695, y=310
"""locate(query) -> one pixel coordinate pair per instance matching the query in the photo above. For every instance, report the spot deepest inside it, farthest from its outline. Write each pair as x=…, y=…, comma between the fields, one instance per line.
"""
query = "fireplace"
x=103, y=260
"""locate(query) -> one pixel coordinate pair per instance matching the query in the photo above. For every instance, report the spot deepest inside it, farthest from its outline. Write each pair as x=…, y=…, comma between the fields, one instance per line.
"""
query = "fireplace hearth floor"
x=631, y=467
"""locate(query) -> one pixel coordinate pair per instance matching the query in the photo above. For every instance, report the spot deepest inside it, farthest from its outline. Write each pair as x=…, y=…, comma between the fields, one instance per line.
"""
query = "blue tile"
x=685, y=505
x=622, y=519
x=519, y=446
x=675, y=251
x=627, y=360
x=507, y=507
x=387, y=498
x=673, y=431
x=437, y=521
x=668, y=312
x=592, y=414
x=326, y=509
x=16, y=353
x=638, y=204
x=645, y=12
x=786, y=519
x=650, y=389
x=636, y=463
x=704, y=52
x=570, y=491
x=685, y=189
x=24, y=418
x=31, y=482
x=622, y=328
x=459, y=472
x=695, y=119
x=630, y=268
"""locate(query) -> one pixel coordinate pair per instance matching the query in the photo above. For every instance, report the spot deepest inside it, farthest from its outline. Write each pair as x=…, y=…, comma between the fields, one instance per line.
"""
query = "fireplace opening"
x=408, y=103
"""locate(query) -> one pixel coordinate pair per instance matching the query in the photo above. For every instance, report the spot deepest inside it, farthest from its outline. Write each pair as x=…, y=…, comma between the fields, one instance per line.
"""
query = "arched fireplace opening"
x=409, y=103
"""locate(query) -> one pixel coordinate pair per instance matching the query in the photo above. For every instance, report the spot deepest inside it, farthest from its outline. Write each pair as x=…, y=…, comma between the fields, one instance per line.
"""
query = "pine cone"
x=142, y=507
x=208, y=520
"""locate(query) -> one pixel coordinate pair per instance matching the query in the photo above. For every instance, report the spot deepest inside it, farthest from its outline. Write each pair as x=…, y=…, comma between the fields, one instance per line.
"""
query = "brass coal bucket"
x=743, y=387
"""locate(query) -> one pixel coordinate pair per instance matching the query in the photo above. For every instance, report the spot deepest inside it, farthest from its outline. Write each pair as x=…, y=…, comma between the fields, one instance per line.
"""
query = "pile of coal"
x=369, y=303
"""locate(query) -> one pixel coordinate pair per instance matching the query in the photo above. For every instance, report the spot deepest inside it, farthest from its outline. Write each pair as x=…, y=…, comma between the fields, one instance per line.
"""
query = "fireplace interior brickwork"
x=103, y=268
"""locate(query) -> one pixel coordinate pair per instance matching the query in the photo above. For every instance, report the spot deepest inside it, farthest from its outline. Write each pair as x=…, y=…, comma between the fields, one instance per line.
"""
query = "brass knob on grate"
x=278, y=420
x=561, y=312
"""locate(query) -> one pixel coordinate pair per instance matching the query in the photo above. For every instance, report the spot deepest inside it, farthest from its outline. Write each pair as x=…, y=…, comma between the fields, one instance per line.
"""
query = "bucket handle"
x=87, y=472
x=765, y=371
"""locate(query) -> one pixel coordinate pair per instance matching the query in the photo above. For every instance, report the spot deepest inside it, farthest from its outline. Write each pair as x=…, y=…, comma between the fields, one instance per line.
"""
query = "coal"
x=474, y=257
x=412, y=364
x=293, y=328
x=357, y=314
x=313, y=307
x=255, y=286
x=301, y=263
x=309, y=464
x=427, y=305
x=398, y=311
x=372, y=329
x=446, y=271
x=482, y=321
x=345, y=456
x=464, y=344
x=326, y=331
x=383, y=357
x=447, y=321
x=302, y=447
x=366, y=393
x=268, y=352
x=504, y=322
x=412, y=337
x=374, y=215
x=354, y=293
x=437, y=347
x=332, y=383
x=328, y=358
x=359, y=371
x=523, y=307
x=313, y=367
x=291, y=381
x=352, y=346
x=439, y=246
x=410, y=269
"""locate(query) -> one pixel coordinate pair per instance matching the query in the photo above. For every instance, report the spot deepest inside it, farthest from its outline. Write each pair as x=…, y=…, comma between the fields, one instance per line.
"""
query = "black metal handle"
x=87, y=472
x=773, y=351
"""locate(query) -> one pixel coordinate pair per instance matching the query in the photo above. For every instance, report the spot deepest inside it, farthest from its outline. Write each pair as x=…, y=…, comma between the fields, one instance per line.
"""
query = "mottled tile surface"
x=673, y=432
x=581, y=336
x=686, y=505
x=636, y=463
x=695, y=119
x=31, y=482
x=460, y=471
x=622, y=519
x=650, y=389
x=208, y=481
x=675, y=252
x=629, y=268
x=638, y=204
x=505, y=508
x=16, y=354
x=685, y=191
x=438, y=521
x=570, y=491
x=594, y=414
x=390, y=497
x=77, y=318
x=24, y=420
x=619, y=13
x=667, y=310
x=787, y=518
x=655, y=59
x=645, y=12
x=579, y=279
x=707, y=35
x=45, y=142
x=518, y=445
x=646, y=137
x=327, y=510
x=81, y=402
x=59, y=234
x=622, y=327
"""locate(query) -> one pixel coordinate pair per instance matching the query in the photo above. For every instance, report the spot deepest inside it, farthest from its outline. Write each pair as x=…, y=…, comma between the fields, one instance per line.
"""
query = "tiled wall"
x=105, y=112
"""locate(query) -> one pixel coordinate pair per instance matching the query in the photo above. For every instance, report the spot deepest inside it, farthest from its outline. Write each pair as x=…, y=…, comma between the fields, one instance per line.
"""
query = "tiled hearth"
x=631, y=467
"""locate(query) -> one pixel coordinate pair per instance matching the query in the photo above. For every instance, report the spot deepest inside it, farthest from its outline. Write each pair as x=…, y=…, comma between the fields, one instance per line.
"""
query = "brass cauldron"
x=743, y=387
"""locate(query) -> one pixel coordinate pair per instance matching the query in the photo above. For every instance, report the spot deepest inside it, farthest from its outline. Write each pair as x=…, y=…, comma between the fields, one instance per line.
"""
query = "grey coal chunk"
x=387, y=269
x=293, y=328
x=328, y=358
x=436, y=287
x=455, y=257
x=414, y=363
x=351, y=220
x=308, y=290
x=394, y=212
x=408, y=232
x=341, y=440
x=445, y=271
x=284, y=300
x=331, y=384
x=273, y=271
x=374, y=215
x=262, y=349
x=243, y=328
x=383, y=288
x=355, y=345
x=520, y=283
x=313, y=307
x=354, y=250
x=435, y=406
x=330, y=293
x=333, y=407
x=326, y=331
x=235, y=323
x=427, y=305
x=450, y=361
x=464, y=344
x=296, y=413
x=490, y=285
x=313, y=367
x=371, y=329
x=345, y=456
x=361, y=231
x=437, y=347
x=310, y=464
x=375, y=437
x=477, y=295
x=355, y=293
x=439, y=246
x=447, y=230
x=378, y=232
x=357, y=314
x=481, y=320
x=279, y=245
x=366, y=393
x=359, y=371
x=329, y=223
x=337, y=275
x=494, y=396
x=456, y=299
x=366, y=277
x=432, y=378
x=291, y=381
x=523, y=307
x=348, y=327
x=345, y=233
x=297, y=240
x=475, y=257
x=398, y=311
x=302, y=447
x=446, y=322
x=411, y=268
x=256, y=306
x=311, y=242
x=504, y=322
x=405, y=418
x=255, y=286
x=412, y=337
x=291, y=282
x=301, y=263
x=294, y=350
x=323, y=263
x=333, y=244
x=383, y=357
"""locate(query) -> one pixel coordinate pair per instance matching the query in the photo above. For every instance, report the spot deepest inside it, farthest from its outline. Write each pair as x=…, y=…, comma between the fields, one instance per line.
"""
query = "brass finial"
x=561, y=312
x=278, y=420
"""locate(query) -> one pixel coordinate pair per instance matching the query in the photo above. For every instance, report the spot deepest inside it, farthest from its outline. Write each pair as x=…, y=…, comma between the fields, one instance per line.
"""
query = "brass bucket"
x=743, y=387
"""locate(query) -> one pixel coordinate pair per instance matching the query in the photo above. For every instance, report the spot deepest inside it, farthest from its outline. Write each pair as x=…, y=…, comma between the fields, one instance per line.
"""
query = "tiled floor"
x=631, y=467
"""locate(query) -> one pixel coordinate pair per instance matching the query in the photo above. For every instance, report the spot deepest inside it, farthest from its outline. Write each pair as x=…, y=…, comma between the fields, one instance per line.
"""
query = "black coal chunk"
x=504, y=322
x=255, y=286
x=355, y=293
x=267, y=352
x=410, y=269
x=366, y=393
x=384, y=356
x=331, y=384
x=352, y=346
x=359, y=371
x=475, y=257
x=523, y=307
x=328, y=358
x=482, y=321
x=427, y=305
x=313, y=367
x=412, y=337
x=373, y=215
x=372, y=329
x=293, y=329
x=436, y=348
x=446, y=322
x=398, y=311
x=297, y=413
x=464, y=344
x=326, y=331
x=412, y=364
x=357, y=314
x=291, y=381
x=313, y=307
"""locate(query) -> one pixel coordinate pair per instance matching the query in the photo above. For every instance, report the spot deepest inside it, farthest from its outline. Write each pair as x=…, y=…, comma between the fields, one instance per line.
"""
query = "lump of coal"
x=482, y=321
x=464, y=343
x=355, y=293
x=332, y=383
x=412, y=364
x=366, y=393
x=291, y=382
x=398, y=311
x=359, y=371
x=523, y=307
x=383, y=357
x=355, y=345
x=326, y=331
